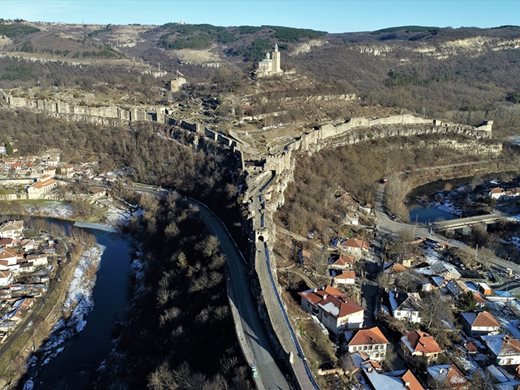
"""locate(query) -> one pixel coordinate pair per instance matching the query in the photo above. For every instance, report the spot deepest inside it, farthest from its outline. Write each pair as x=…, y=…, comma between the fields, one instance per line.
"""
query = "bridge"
x=454, y=224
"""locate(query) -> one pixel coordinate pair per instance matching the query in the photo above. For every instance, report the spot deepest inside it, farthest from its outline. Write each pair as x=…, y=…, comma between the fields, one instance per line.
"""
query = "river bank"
x=83, y=338
x=65, y=314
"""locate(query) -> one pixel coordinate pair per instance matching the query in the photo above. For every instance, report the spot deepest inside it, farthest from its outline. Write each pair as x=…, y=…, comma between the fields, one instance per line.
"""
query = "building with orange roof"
x=448, y=376
x=477, y=324
x=371, y=342
x=41, y=188
x=410, y=381
x=355, y=247
x=419, y=346
x=344, y=262
x=504, y=348
x=334, y=309
x=390, y=380
x=346, y=277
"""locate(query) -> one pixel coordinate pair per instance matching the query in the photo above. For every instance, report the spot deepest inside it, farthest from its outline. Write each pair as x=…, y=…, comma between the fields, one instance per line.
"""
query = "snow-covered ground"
x=447, y=206
x=52, y=209
x=78, y=301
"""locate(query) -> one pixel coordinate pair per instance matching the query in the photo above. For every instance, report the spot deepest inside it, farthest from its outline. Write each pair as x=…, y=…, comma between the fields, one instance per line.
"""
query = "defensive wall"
x=266, y=193
x=268, y=177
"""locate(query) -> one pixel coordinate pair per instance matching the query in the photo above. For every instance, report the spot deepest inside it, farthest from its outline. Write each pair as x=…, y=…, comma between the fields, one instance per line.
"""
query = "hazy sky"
x=328, y=15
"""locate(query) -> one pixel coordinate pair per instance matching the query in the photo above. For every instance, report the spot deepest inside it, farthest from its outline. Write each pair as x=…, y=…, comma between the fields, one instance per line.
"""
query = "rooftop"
x=482, y=319
x=419, y=341
x=368, y=336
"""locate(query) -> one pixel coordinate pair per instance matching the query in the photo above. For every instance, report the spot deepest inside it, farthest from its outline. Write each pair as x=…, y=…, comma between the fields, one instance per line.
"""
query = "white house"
x=405, y=306
x=347, y=277
x=504, y=348
x=355, y=247
x=370, y=342
x=419, y=345
x=6, y=277
x=476, y=324
x=333, y=308
x=11, y=229
x=37, y=259
x=42, y=188
x=8, y=258
x=343, y=263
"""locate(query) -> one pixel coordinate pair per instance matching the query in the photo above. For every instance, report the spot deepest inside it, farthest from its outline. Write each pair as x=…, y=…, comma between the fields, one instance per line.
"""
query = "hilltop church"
x=270, y=65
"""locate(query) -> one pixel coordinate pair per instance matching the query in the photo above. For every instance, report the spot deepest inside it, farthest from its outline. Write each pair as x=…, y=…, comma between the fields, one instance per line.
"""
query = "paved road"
x=269, y=375
x=386, y=225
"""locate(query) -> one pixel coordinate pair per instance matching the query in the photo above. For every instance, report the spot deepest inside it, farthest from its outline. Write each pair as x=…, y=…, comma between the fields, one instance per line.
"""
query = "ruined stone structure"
x=104, y=115
x=270, y=65
x=270, y=176
x=177, y=83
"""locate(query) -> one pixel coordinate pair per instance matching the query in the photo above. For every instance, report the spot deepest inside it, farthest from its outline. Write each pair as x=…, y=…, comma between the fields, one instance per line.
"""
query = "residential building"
x=448, y=376
x=505, y=349
x=419, y=346
x=335, y=309
x=496, y=193
x=370, y=342
x=395, y=268
x=390, y=381
x=355, y=247
x=8, y=258
x=346, y=277
x=6, y=277
x=405, y=306
x=446, y=270
x=37, y=260
x=477, y=324
x=11, y=229
x=7, y=242
x=343, y=263
x=42, y=188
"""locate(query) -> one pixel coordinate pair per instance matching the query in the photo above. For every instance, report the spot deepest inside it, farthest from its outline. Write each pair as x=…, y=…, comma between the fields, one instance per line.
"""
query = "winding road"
x=267, y=373
x=388, y=226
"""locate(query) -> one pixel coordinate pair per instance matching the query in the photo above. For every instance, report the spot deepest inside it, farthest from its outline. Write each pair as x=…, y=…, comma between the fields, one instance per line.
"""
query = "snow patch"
x=78, y=301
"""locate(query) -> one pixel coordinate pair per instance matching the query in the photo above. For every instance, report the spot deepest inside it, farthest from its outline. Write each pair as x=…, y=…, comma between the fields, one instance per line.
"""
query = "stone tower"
x=276, y=60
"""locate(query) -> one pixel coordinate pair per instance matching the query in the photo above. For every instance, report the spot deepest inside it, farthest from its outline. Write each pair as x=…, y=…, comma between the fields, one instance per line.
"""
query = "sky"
x=327, y=15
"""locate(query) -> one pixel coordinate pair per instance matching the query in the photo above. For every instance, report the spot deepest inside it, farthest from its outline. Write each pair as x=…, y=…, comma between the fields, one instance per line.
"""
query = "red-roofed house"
x=371, y=342
x=448, y=376
x=477, y=324
x=347, y=277
x=355, y=247
x=343, y=263
x=420, y=346
x=333, y=308
x=41, y=188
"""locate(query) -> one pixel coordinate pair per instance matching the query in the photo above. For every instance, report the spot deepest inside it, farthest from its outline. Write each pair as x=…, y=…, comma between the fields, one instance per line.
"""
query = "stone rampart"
x=264, y=199
x=91, y=114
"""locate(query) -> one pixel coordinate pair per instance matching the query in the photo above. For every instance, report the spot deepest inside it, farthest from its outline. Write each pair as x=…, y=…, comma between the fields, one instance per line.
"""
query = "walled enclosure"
x=267, y=177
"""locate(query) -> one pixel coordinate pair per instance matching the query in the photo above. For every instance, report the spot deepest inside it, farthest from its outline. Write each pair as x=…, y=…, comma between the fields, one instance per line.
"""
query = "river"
x=75, y=366
x=426, y=214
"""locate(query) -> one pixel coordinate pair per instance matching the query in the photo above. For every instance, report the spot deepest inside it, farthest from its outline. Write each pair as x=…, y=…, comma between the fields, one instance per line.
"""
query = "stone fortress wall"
x=267, y=175
x=105, y=115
